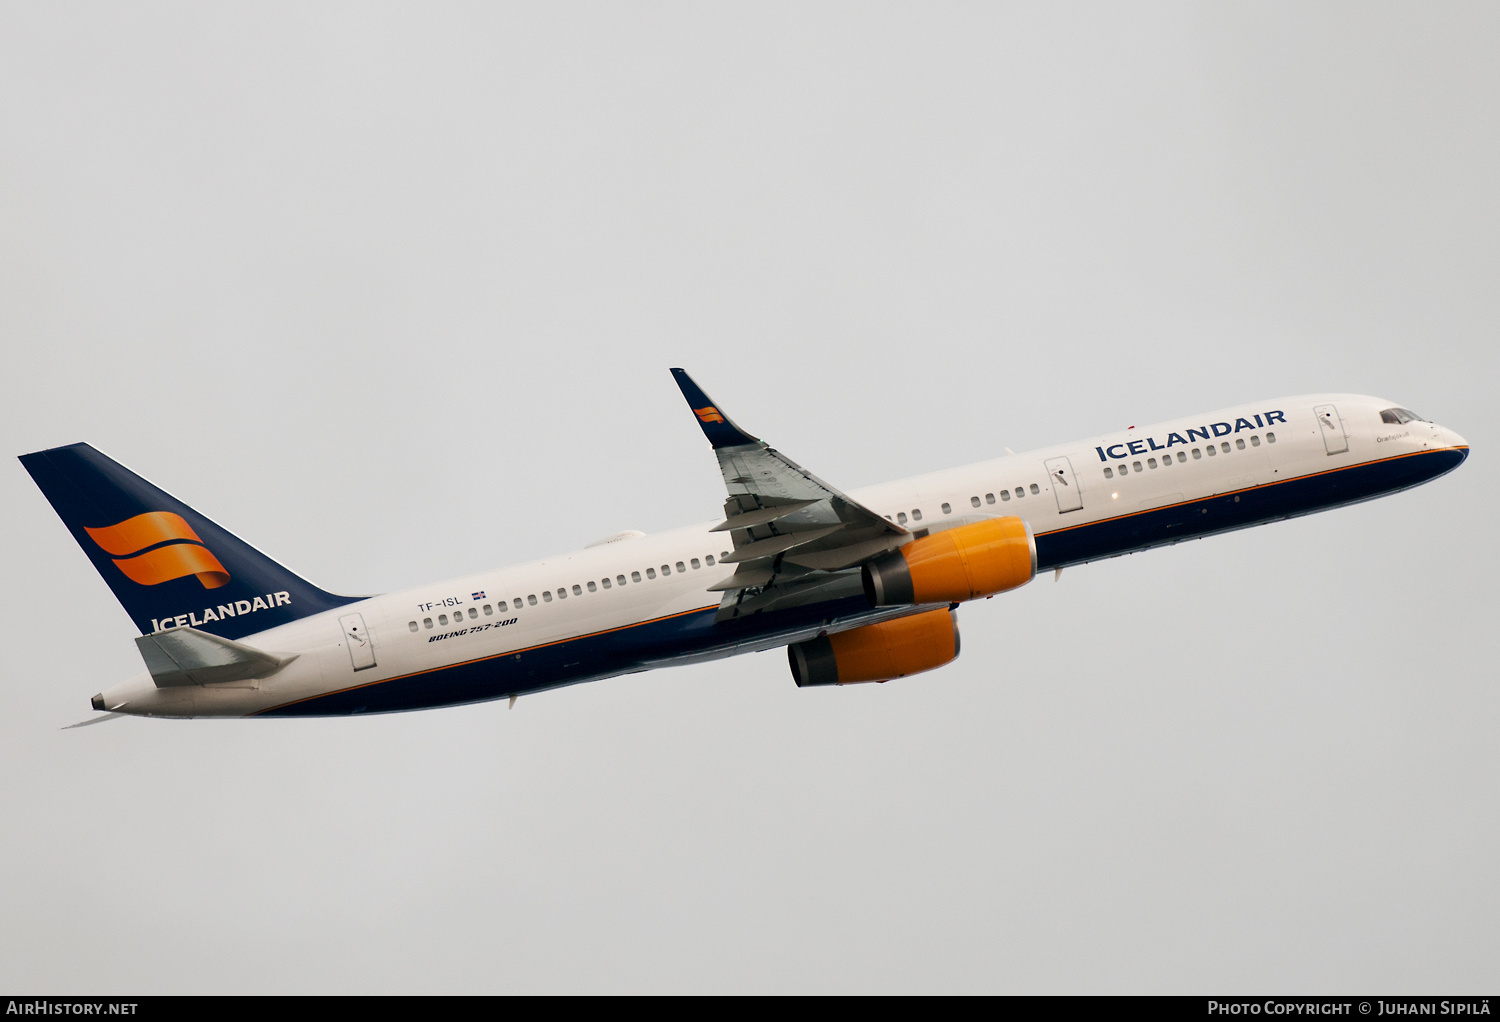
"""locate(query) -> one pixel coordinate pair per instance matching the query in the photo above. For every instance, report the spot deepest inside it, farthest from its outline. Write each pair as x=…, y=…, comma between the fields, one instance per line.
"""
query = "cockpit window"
x=1396, y=416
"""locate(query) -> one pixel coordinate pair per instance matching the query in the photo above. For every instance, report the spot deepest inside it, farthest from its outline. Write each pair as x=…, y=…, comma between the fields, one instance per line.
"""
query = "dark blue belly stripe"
x=1239, y=509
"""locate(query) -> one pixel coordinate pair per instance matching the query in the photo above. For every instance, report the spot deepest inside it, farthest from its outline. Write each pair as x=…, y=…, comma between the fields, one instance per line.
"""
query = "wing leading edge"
x=796, y=539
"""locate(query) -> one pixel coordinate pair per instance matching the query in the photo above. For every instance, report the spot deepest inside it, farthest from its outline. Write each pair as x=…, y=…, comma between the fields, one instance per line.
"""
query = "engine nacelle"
x=980, y=559
x=879, y=652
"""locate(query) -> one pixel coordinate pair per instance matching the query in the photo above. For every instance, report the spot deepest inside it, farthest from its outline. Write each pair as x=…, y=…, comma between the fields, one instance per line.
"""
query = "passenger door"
x=1335, y=440
x=357, y=639
x=1064, y=485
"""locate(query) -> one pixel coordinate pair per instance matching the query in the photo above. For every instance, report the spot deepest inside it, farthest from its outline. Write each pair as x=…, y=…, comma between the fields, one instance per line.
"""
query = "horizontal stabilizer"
x=186, y=656
x=95, y=720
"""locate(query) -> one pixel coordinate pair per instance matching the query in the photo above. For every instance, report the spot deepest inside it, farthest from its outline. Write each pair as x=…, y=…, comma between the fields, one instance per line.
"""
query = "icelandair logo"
x=709, y=414
x=238, y=608
x=1205, y=433
x=157, y=547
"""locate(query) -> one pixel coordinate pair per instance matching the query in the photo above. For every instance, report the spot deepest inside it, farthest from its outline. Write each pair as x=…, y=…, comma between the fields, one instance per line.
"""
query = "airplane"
x=859, y=587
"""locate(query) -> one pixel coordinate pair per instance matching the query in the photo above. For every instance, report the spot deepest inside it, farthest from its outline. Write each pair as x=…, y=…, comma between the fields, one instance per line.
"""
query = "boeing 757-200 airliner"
x=858, y=586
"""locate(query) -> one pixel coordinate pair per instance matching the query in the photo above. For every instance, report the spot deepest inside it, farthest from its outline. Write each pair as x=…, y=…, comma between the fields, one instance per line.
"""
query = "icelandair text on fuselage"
x=239, y=608
x=1205, y=433
x=1274, y=1007
x=70, y=1008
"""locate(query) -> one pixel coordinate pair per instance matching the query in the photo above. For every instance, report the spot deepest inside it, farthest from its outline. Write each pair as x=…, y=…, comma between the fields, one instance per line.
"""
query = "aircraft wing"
x=796, y=539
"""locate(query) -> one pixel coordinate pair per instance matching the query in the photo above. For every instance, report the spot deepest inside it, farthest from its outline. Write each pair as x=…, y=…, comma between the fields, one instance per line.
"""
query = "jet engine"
x=980, y=559
x=878, y=652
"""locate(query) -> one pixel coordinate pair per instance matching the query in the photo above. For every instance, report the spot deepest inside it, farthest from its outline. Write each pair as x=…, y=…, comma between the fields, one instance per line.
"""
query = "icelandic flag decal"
x=479, y=595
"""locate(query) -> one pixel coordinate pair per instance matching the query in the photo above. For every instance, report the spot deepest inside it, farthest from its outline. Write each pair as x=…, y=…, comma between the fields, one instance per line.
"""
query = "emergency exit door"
x=1064, y=485
x=357, y=638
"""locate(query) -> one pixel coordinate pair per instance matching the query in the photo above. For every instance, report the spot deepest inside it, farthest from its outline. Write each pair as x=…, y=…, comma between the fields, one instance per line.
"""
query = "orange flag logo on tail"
x=186, y=554
x=709, y=414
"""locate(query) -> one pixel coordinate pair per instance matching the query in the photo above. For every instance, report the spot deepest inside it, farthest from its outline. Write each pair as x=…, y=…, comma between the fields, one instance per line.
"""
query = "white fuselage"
x=517, y=625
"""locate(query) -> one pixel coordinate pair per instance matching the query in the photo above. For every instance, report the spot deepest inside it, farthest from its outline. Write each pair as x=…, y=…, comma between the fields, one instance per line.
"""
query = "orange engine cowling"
x=879, y=652
x=980, y=559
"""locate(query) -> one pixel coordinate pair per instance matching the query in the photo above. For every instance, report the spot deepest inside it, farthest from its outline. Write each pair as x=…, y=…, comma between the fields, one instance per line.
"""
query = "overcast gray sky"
x=391, y=291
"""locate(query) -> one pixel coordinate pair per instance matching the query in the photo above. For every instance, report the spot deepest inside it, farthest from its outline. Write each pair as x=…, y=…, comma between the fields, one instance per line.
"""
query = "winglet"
x=721, y=432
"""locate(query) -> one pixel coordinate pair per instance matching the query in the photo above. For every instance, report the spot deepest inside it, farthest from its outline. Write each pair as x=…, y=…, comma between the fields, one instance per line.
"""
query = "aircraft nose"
x=1452, y=439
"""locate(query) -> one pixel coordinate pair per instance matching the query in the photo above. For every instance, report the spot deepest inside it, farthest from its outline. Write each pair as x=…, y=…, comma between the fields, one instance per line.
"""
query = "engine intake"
x=878, y=652
x=980, y=559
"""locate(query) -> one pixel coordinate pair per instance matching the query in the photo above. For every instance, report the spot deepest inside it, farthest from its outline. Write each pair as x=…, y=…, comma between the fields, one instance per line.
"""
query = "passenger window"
x=443, y=620
x=900, y=517
x=489, y=611
x=1212, y=450
x=1123, y=470
x=546, y=596
x=947, y=509
x=1150, y=462
x=620, y=580
x=1109, y=473
x=635, y=576
x=1182, y=456
x=531, y=599
x=1197, y=454
x=1020, y=492
x=680, y=567
x=989, y=498
x=1255, y=441
x=1240, y=443
x=696, y=563
x=427, y=622
x=724, y=554
x=605, y=582
x=500, y=606
x=666, y=569
x=1035, y=488
x=650, y=572
x=412, y=625
x=517, y=603
x=916, y=514
x=974, y=501
x=592, y=587
x=709, y=560
x=562, y=594
x=1224, y=447
x=1136, y=465
x=578, y=591
x=1270, y=438
x=473, y=613
x=1005, y=495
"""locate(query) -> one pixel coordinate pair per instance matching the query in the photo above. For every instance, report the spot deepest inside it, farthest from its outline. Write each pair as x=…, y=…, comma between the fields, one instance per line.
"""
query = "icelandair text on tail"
x=225, y=610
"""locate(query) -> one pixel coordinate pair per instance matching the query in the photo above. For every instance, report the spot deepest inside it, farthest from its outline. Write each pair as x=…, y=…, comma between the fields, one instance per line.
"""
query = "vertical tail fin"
x=167, y=564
